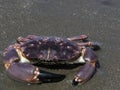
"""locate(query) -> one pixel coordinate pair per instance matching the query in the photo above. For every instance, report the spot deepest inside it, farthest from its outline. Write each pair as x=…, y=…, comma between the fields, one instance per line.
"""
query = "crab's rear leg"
x=95, y=45
x=86, y=72
x=81, y=37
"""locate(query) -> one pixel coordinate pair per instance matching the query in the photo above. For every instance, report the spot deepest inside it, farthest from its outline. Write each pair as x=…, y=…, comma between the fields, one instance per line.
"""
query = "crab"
x=21, y=57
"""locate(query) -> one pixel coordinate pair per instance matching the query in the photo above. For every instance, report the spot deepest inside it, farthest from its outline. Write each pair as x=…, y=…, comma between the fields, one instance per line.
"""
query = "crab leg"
x=86, y=72
x=81, y=37
x=95, y=45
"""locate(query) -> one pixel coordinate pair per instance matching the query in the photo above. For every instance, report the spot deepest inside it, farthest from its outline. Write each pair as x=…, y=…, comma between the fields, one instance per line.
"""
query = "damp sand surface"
x=99, y=19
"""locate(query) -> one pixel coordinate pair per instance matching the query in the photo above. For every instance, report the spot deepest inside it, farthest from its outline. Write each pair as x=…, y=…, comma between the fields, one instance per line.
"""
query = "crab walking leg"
x=86, y=72
x=88, y=44
x=31, y=74
x=81, y=37
x=95, y=45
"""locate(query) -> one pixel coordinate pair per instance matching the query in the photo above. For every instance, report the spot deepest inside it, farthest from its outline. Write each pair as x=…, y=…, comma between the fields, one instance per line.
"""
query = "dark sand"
x=99, y=19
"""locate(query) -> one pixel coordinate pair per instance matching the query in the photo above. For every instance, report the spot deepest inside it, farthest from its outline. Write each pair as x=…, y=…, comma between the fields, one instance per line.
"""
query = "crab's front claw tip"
x=47, y=77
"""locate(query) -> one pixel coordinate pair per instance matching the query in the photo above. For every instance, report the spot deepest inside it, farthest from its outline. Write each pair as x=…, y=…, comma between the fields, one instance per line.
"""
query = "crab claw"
x=47, y=77
x=87, y=71
x=84, y=74
x=28, y=73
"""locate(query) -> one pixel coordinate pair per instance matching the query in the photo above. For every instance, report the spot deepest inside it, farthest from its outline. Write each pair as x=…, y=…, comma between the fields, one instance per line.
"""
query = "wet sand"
x=99, y=19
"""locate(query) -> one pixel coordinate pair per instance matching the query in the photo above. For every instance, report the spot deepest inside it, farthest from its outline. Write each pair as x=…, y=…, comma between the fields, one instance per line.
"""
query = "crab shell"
x=53, y=49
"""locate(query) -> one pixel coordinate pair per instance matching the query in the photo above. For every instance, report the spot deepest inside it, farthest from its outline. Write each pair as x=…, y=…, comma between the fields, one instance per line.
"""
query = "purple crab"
x=20, y=58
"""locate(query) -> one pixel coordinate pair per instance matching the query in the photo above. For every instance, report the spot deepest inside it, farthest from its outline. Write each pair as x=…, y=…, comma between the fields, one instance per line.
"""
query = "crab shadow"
x=59, y=77
x=59, y=66
x=63, y=66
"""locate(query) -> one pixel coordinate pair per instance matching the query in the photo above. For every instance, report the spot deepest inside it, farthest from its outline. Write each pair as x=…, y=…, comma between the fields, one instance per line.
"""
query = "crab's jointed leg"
x=95, y=45
x=81, y=37
x=86, y=43
x=86, y=72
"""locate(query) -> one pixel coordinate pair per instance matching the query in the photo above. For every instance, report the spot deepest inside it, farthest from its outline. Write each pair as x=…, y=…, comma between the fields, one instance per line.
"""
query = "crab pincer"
x=87, y=71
